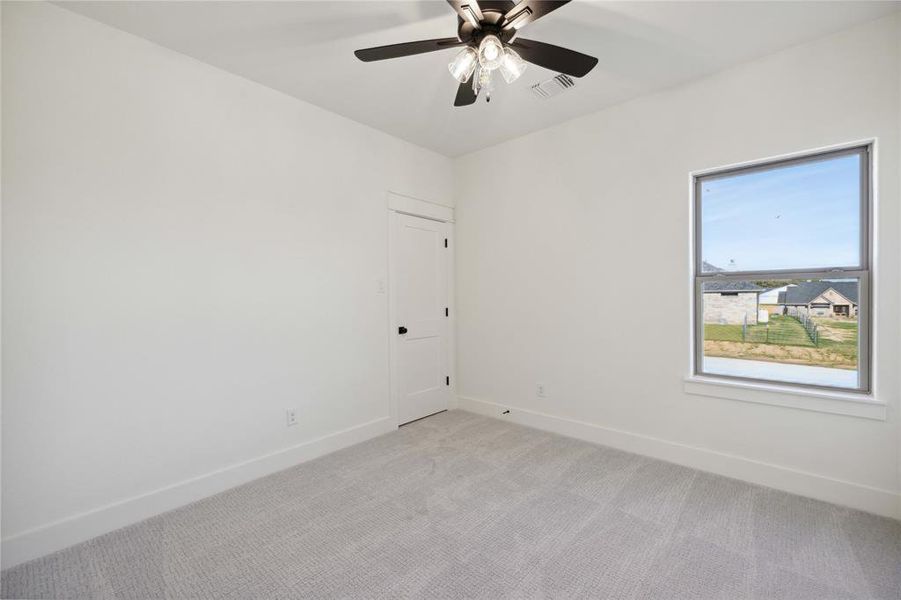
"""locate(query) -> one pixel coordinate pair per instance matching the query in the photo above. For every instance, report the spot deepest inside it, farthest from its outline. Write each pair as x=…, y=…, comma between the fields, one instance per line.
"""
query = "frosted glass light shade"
x=463, y=64
x=512, y=65
x=491, y=52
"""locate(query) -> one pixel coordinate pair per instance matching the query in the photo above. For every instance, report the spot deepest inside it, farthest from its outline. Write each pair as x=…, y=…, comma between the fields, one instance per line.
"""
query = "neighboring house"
x=820, y=299
x=769, y=300
x=731, y=302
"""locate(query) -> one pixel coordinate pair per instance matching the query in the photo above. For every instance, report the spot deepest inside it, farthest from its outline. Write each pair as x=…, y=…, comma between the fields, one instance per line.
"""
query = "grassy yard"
x=786, y=341
x=780, y=330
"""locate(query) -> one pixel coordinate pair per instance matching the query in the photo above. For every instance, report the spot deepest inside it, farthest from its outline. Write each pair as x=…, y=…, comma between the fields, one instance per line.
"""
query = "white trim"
x=420, y=208
x=452, y=316
x=813, y=399
x=870, y=141
x=875, y=274
x=692, y=301
x=855, y=495
x=55, y=536
x=392, y=317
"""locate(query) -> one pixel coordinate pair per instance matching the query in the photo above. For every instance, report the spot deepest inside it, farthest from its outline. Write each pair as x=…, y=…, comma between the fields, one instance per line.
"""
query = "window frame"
x=862, y=272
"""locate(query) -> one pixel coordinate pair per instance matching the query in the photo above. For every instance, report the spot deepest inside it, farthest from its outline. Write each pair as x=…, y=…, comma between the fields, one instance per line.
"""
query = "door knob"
x=401, y=330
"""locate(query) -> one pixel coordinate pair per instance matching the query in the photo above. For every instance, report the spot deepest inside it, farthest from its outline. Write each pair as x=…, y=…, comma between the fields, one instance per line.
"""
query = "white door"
x=420, y=276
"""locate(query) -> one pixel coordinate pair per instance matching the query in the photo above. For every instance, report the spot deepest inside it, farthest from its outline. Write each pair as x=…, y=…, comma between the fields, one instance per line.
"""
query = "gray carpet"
x=462, y=506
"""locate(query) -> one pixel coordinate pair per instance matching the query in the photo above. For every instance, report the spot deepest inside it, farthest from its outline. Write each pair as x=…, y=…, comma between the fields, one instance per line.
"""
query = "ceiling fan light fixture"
x=491, y=52
x=463, y=64
x=512, y=65
x=487, y=42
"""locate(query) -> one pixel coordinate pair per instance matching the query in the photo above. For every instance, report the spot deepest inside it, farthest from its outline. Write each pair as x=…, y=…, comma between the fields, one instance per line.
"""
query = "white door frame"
x=398, y=203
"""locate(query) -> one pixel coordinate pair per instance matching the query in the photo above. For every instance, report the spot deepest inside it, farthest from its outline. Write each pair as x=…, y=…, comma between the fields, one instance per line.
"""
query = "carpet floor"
x=463, y=506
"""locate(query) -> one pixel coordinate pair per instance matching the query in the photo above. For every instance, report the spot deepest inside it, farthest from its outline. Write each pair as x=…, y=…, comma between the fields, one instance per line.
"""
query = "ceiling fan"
x=488, y=32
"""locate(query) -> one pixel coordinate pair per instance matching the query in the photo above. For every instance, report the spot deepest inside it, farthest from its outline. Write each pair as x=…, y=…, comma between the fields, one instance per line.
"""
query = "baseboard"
x=854, y=495
x=55, y=536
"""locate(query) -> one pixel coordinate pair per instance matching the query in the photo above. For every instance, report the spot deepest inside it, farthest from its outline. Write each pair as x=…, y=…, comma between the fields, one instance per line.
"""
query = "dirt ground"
x=835, y=330
x=798, y=355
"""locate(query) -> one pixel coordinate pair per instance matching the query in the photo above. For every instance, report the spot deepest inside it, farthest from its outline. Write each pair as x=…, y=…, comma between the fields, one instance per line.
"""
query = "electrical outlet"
x=540, y=390
x=291, y=416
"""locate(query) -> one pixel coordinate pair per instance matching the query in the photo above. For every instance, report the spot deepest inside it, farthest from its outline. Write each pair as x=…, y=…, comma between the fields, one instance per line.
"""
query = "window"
x=782, y=271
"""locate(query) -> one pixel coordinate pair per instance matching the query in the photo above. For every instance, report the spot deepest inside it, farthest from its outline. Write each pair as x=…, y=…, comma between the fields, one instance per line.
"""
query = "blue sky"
x=795, y=217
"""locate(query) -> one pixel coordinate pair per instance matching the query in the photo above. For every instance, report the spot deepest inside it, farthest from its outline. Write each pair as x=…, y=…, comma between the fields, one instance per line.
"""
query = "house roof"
x=731, y=286
x=806, y=292
x=706, y=267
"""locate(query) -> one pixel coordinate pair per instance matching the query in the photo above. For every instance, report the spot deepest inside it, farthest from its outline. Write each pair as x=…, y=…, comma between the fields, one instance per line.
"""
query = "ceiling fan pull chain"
x=484, y=83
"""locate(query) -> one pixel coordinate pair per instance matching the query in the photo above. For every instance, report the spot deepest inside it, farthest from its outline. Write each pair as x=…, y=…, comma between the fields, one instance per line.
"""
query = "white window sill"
x=838, y=403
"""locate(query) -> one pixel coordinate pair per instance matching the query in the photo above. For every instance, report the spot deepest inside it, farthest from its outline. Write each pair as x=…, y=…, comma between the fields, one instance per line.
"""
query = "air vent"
x=552, y=87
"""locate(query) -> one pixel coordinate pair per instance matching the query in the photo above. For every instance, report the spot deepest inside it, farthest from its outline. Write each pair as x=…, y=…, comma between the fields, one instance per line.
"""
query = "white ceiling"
x=306, y=49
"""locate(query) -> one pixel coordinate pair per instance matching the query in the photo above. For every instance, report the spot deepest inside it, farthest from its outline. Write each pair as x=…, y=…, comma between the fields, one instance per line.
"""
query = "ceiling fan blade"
x=554, y=58
x=469, y=11
x=465, y=94
x=529, y=11
x=406, y=49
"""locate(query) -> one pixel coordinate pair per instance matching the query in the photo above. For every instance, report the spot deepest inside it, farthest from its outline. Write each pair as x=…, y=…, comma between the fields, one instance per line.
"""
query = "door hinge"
x=446, y=312
x=445, y=242
x=447, y=380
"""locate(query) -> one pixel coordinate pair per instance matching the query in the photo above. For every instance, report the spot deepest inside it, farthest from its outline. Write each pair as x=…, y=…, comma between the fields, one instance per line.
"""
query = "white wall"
x=185, y=255
x=601, y=203
x=898, y=100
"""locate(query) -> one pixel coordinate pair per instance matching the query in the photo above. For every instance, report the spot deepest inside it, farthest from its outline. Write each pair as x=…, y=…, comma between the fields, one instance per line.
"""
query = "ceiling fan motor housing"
x=492, y=14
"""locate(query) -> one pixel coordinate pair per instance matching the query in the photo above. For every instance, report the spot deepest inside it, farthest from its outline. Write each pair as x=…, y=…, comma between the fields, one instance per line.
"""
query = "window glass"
x=799, y=216
x=789, y=330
